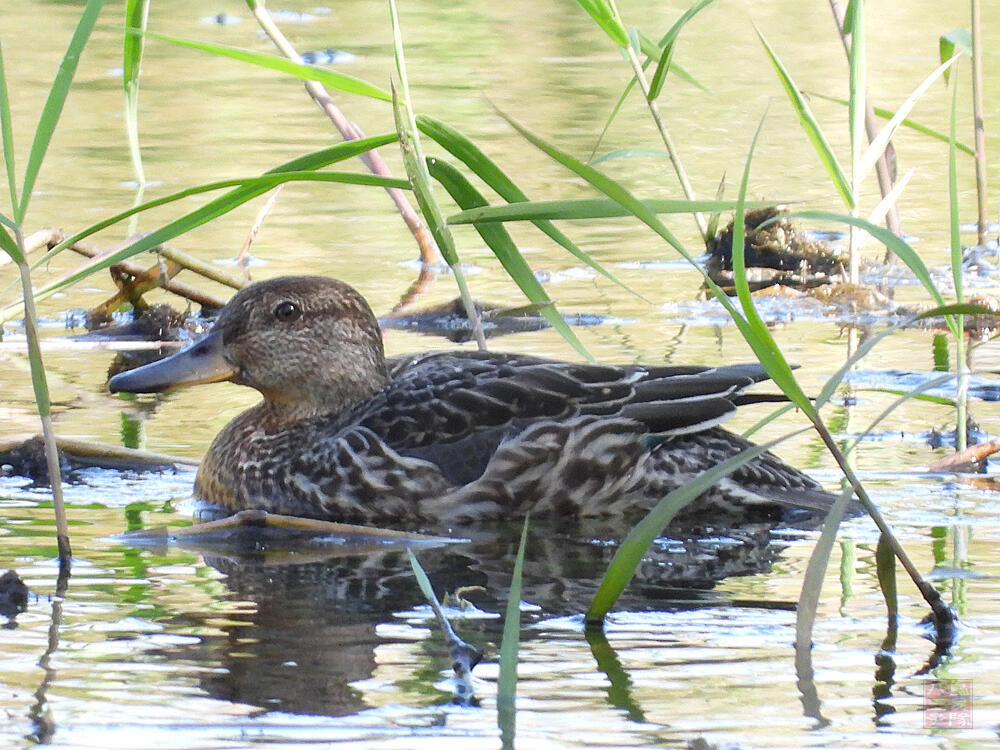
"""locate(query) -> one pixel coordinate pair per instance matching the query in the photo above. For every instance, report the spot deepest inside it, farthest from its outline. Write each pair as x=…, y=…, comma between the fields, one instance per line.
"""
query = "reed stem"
x=982, y=222
x=44, y=405
x=668, y=142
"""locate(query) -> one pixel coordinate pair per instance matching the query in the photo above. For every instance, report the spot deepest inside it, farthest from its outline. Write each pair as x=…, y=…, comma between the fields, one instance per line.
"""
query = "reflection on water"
x=144, y=648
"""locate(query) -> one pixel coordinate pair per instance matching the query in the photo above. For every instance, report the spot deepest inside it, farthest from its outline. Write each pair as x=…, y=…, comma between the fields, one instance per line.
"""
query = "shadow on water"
x=312, y=629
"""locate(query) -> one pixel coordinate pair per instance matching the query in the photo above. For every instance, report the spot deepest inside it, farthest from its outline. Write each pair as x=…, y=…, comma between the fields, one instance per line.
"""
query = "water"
x=178, y=649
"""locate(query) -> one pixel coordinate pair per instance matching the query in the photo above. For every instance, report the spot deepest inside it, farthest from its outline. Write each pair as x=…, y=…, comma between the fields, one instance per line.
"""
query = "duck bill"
x=202, y=363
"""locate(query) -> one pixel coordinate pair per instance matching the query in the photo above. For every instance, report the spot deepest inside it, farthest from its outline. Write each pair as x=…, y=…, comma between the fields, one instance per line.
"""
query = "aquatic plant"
x=466, y=159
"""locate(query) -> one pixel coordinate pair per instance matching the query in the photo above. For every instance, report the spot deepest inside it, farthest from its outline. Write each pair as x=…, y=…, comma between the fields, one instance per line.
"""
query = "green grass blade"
x=956, y=40
x=9, y=246
x=502, y=245
x=667, y=45
x=7, y=136
x=332, y=79
x=903, y=398
x=416, y=170
x=772, y=360
x=632, y=549
x=211, y=210
x=906, y=122
x=628, y=153
x=961, y=367
x=855, y=21
x=765, y=421
x=55, y=101
x=877, y=216
x=136, y=16
x=654, y=52
x=590, y=208
x=944, y=311
x=660, y=74
x=885, y=566
x=602, y=182
x=605, y=15
x=953, y=215
x=614, y=111
x=647, y=47
x=811, y=126
x=756, y=332
x=881, y=140
x=507, y=680
x=293, y=170
x=812, y=581
x=422, y=580
x=490, y=172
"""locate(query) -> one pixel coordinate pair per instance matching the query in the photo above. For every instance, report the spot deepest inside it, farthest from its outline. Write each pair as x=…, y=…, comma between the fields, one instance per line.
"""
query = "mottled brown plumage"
x=345, y=435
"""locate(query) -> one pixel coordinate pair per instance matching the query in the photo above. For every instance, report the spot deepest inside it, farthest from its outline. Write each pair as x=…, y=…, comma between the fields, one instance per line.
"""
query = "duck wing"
x=454, y=409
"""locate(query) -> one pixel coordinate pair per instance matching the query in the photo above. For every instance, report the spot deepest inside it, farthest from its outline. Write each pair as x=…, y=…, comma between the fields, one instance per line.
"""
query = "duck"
x=343, y=433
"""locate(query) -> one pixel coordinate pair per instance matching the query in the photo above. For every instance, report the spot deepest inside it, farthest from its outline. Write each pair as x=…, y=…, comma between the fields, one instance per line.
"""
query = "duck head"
x=310, y=345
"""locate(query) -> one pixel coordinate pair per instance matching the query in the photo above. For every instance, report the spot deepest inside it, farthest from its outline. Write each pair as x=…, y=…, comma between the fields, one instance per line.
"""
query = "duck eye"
x=287, y=311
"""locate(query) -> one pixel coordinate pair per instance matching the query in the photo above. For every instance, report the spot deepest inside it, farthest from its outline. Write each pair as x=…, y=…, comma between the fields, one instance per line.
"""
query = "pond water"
x=176, y=648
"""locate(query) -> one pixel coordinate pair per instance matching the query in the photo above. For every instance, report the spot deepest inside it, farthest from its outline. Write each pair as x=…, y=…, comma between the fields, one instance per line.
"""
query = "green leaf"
x=621, y=195
x=605, y=15
x=221, y=205
x=903, y=398
x=953, y=215
x=812, y=581
x=654, y=52
x=956, y=40
x=629, y=153
x=8, y=245
x=7, y=135
x=136, y=16
x=55, y=101
x=502, y=245
x=507, y=679
x=631, y=551
x=946, y=311
x=667, y=45
x=416, y=169
x=660, y=74
x=589, y=208
x=490, y=172
x=849, y=17
x=755, y=331
x=881, y=140
x=906, y=122
x=422, y=580
x=885, y=566
x=811, y=126
x=855, y=21
x=291, y=170
x=330, y=78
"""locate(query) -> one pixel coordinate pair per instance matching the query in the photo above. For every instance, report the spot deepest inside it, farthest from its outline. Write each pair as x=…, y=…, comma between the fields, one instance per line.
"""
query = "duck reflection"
x=312, y=630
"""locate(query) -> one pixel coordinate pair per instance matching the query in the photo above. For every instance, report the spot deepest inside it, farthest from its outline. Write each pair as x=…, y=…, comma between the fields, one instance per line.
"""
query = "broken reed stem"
x=882, y=171
x=982, y=222
x=350, y=132
x=200, y=267
x=243, y=257
x=668, y=142
x=50, y=237
x=44, y=405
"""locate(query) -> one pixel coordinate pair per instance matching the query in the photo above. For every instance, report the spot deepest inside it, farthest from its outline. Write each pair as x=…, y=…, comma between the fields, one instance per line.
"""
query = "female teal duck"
x=344, y=434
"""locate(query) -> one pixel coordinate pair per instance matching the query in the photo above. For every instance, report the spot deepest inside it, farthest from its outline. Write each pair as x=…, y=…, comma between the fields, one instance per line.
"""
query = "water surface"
x=173, y=648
